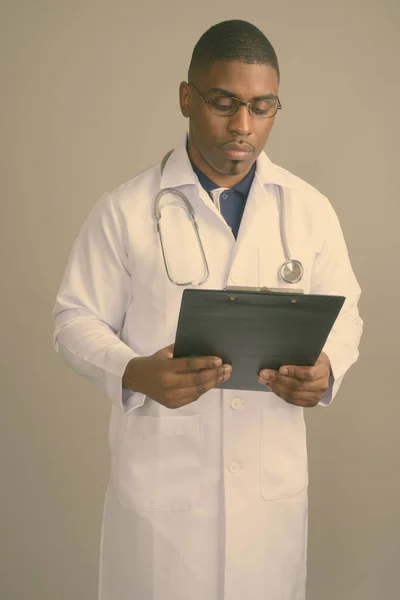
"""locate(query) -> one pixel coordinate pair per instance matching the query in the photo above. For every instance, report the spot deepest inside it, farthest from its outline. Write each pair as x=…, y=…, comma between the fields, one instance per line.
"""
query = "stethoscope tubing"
x=293, y=267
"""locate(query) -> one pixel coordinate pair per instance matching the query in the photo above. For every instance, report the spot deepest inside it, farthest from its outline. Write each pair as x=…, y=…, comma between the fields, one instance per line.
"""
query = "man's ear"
x=185, y=94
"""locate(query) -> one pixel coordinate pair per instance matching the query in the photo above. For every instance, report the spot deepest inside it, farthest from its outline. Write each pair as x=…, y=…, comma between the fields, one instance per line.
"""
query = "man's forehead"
x=239, y=77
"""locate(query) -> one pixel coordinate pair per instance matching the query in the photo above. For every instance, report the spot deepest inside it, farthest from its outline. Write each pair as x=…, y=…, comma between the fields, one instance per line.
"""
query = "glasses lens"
x=223, y=105
x=260, y=109
x=263, y=109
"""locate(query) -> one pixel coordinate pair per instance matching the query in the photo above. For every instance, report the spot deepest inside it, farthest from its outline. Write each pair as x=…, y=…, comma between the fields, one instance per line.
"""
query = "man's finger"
x=196, y=363
x=292, y=383
x=269, y=374
x=199, y=379
x=319, y=370
x=189, y=393
x=169, y=350
x=303, y=373
x=165, y=353
x=299, y=397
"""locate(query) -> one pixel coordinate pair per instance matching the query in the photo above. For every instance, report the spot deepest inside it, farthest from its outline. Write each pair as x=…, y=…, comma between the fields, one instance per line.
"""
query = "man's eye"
x=222, y=103
x=261, y=111
x=263, y=107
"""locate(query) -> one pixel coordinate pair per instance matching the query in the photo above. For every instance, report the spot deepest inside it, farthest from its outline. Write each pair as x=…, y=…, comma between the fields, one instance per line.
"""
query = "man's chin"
x=237, y=167
x=242, y=165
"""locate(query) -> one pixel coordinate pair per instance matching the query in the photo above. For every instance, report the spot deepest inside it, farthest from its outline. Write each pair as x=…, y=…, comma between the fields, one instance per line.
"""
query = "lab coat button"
x=234, y=467
x=237, y=403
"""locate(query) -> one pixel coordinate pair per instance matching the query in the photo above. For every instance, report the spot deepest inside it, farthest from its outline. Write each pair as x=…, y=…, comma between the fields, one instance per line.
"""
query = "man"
x=207, y=498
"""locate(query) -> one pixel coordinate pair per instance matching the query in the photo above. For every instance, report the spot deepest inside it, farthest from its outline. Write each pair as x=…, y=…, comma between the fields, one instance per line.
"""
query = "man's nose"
x=242, y=121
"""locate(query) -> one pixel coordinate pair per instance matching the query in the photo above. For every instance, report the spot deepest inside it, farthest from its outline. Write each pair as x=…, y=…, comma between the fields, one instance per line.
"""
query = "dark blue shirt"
x=232, y=201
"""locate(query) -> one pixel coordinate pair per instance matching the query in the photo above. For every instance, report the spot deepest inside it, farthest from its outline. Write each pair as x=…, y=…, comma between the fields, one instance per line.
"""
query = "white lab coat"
x=209, y=501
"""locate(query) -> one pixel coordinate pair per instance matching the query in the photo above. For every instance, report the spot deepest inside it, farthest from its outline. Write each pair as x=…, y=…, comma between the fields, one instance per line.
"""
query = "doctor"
x=207, y=497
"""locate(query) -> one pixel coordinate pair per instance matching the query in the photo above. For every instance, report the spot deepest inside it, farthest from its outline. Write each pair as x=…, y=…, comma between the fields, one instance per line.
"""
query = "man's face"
x=210, y=134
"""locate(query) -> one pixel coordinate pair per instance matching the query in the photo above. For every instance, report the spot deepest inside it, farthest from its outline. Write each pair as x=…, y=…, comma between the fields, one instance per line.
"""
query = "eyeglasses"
x=227, y=106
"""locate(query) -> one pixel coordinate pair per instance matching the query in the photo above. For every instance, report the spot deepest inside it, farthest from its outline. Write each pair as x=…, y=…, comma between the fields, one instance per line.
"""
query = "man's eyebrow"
x=218, y=90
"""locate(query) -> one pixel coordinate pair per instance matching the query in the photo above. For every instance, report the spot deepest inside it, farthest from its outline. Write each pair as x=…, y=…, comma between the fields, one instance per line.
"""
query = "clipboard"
x=254, y=329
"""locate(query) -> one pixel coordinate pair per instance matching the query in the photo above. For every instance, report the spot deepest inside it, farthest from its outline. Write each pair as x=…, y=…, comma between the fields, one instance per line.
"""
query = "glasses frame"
x=239, y=103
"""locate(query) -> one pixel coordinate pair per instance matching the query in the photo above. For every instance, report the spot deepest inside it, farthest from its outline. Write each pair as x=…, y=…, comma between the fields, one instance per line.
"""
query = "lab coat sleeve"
x=91, y=304
x=333, y=274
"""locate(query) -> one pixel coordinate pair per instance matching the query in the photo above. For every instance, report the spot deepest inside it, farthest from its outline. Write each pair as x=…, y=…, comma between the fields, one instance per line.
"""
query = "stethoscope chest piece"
x=291, y=271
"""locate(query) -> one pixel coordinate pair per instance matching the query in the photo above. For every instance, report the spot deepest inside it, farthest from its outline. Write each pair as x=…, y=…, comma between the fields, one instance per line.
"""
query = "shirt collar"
x=179, y=171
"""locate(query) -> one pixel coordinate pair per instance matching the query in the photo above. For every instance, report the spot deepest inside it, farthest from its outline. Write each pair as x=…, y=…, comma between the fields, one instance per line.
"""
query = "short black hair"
x=233, y=40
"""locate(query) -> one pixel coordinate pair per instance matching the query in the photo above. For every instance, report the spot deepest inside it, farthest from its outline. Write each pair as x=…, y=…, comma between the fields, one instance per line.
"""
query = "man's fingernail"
x=217, y=362
x=284, y=371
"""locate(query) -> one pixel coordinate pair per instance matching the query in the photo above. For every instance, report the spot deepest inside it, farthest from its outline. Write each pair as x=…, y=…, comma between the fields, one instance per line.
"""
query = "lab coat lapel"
x=244, y=269
x=178, y=173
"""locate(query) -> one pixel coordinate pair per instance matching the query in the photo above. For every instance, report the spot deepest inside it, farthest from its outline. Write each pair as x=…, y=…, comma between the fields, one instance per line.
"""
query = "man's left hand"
x=302, y=386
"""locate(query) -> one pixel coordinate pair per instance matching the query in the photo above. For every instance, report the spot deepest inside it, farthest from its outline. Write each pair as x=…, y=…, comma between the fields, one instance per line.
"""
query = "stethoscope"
x=291, y=271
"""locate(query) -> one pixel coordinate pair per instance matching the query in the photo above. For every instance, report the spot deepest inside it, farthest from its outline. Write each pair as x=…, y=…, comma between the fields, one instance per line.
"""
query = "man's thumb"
x=167, y=352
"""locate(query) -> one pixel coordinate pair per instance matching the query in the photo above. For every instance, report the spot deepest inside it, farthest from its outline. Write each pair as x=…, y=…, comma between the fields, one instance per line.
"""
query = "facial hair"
x=233, y=167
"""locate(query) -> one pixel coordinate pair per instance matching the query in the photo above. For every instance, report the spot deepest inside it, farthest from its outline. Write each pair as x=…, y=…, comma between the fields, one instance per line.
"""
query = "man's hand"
x=302, y=386
x=174, y=382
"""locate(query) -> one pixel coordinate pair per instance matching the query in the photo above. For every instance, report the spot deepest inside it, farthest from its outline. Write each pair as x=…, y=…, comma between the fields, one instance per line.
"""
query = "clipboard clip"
x=264, y=290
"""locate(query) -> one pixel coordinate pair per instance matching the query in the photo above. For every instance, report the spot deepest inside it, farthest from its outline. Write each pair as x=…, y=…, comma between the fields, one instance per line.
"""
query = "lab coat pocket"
x=160, y=463
x=284, y=471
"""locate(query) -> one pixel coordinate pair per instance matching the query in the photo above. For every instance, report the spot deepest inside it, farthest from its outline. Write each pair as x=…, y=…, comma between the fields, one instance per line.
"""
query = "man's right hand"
x=174, y=382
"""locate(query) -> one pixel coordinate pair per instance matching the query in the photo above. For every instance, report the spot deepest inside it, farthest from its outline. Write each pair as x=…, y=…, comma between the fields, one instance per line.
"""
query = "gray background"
x=90, y=98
